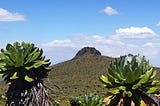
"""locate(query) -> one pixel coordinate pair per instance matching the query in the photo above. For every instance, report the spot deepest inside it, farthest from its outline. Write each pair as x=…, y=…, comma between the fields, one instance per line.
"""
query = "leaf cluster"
x=23, y=61
x=128, y=77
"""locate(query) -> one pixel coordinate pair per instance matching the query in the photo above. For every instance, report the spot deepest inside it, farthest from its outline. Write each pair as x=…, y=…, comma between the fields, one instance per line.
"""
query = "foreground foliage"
x=23, y=67
x=131, y=79
x=91, y=99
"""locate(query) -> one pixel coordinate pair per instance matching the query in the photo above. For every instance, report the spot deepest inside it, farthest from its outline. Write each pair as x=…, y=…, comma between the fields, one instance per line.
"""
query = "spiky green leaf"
x=28, y=79
x=105, y=80
x=152, y=90
x=146, y=77
x=14, y=76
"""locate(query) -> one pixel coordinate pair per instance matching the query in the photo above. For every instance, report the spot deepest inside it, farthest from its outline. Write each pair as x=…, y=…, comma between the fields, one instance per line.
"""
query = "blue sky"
x=62, y=27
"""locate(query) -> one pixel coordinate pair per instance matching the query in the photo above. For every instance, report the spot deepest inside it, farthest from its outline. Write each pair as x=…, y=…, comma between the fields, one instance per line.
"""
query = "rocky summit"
x=87, y=51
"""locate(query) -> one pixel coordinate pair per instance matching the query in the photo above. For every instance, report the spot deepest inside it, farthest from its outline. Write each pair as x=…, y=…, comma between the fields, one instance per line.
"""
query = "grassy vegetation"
x=3, y=89
x=158, y=73
x=76, y=77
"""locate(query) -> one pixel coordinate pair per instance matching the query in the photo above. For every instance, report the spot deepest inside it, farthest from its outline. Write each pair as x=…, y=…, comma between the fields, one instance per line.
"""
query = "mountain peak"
x=87, y=51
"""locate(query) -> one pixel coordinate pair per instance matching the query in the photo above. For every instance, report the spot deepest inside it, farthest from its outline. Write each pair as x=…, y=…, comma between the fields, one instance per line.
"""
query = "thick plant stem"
x=31, y=95
x=148, y=100
x=127, y=101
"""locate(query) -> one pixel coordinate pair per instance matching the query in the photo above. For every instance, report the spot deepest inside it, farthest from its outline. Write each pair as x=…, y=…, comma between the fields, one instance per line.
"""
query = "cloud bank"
x=6, y=16
x=114, y=46
x=135, y=32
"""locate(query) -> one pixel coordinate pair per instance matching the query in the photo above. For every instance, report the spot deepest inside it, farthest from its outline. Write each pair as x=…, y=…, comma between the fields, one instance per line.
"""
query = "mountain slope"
x=78, y=76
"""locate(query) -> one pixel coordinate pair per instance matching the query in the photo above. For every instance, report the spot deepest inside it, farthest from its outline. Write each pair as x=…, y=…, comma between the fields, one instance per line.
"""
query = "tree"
x=24, y=67
x=130, y=79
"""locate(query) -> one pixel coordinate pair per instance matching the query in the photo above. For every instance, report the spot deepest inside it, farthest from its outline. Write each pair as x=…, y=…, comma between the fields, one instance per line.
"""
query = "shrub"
x=91, y=99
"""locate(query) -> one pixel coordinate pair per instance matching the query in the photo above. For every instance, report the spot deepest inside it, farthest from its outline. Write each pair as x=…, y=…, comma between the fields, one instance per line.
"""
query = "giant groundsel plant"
x=131, y=79
x=23, y=66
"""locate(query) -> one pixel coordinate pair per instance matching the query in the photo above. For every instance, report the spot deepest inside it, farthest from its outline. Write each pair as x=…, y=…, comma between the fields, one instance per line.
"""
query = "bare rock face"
x=87, y=51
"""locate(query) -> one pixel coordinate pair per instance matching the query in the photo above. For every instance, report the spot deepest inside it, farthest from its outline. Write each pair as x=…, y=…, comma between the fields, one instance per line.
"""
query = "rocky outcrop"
x=87, y=51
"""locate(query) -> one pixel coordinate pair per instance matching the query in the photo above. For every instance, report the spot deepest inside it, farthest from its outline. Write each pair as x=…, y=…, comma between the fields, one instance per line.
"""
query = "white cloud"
x=110, y=11
x=135, y=32
x=59, y=43
x=62, y=50
x=158, y=24
x=8, y=16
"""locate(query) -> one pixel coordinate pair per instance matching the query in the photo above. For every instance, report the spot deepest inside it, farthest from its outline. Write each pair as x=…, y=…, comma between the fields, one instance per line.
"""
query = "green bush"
x=91, y=99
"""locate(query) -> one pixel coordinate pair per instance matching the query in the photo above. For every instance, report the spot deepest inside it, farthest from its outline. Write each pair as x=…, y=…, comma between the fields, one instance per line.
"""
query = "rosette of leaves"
x=23, y=61
x=131, y=78
x=23, y=67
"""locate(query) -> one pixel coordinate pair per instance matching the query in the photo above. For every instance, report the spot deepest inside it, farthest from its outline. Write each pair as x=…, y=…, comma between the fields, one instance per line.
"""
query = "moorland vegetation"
x=77, y=82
